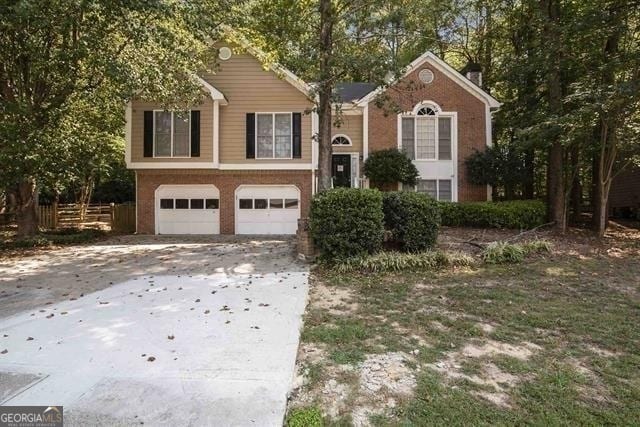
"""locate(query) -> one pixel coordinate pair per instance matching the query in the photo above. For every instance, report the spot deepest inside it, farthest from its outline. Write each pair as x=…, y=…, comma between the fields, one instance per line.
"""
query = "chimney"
x=473, y=72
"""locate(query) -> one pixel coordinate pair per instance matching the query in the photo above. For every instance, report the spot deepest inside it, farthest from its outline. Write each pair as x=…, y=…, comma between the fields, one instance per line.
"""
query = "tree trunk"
x=529, y=166
x=26, y=208
x=555, y=170
x=576, y=185
x=324, y=95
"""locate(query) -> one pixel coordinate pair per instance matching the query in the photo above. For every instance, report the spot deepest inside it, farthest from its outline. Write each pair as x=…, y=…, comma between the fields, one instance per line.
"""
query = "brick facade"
x=226, y=181
x=450, y=96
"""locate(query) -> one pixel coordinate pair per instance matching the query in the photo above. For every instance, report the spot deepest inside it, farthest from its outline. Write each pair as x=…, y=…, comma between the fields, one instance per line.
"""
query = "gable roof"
x=264, y=59
x=353, y=91
x=444, y=68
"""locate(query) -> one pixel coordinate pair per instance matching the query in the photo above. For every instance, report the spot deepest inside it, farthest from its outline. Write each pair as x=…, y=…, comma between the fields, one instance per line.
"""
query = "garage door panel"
x=275, y=218
x=194, y=219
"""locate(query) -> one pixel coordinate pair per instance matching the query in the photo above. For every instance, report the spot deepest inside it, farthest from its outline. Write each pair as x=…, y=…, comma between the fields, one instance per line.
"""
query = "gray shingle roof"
x=352, y=91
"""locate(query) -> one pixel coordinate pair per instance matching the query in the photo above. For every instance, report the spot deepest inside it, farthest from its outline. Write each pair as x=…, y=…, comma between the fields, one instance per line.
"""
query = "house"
x=624, y=195
x=244, y=161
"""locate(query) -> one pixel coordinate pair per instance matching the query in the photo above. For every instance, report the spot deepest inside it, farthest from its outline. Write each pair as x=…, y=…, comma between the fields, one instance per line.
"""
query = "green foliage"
x=522, y=214
x=389, y=167
x=412, y=218
x=396, y=261
x=513, y=253
x=347, y=222
x=501, y=166
x=304, y=417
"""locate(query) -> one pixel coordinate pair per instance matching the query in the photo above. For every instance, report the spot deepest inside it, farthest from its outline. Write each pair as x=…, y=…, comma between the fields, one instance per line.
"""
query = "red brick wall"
x=226, y=181
x=383, y=124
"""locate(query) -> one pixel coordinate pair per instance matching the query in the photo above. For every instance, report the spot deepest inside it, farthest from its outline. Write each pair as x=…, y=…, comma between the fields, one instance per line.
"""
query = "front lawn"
x=553, y=340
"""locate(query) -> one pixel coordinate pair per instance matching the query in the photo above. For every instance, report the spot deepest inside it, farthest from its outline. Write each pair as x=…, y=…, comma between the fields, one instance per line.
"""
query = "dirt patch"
x=495, y=382
x=333, y=299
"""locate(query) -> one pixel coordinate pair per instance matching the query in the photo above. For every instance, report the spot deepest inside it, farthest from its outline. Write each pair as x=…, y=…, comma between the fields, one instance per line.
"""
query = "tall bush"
x=390, y=167
x=347, y=222
x=412, y=218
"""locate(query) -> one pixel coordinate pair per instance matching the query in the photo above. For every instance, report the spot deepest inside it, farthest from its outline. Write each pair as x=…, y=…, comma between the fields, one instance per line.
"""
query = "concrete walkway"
x=202, y=347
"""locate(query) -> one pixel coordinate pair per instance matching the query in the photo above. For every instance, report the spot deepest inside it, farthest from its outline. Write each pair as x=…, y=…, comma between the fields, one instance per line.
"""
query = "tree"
x=55, y=54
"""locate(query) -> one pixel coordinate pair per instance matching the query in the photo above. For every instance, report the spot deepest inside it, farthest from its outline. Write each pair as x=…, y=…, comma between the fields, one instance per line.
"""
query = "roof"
x=353, y=91
x=444, y=68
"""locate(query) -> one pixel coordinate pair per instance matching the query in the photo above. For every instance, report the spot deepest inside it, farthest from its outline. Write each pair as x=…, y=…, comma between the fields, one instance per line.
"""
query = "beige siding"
x=137, y=133
x=250, y=89
x=351, y=126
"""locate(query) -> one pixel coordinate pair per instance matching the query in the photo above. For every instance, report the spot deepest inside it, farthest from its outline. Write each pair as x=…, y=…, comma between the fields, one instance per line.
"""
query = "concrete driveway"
x=153, y=330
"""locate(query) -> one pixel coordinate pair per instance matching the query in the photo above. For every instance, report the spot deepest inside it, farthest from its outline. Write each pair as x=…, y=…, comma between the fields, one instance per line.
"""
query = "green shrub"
x=412, y=218
x=347, y=222
x=519, y=214
x=389, y=167
x=304, y=417
x=396, y=261
x=513, y=253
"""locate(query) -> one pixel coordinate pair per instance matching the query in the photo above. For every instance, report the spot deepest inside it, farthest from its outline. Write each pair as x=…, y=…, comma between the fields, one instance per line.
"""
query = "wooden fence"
x=121, y=218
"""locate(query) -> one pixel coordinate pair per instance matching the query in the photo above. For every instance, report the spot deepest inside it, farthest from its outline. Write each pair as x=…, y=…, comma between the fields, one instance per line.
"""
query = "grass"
x=578, y=316
x=61, y=237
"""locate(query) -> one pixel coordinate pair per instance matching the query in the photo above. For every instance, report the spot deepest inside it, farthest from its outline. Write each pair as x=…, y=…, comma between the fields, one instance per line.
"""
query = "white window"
x=439, y=189
x=274, y=136
x=426, y=135
x=171, y=134
x=341, y=140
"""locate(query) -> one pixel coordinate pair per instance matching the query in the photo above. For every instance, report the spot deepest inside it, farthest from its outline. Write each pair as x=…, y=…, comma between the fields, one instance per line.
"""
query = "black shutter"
x=251, y=135
x=195, y=133
x=297, y=135
x=148, y=134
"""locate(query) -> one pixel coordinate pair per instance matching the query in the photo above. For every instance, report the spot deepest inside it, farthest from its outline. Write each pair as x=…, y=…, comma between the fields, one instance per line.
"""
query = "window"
x=291, y=203
x=212, y=204
x=439, y=189
x=444, y=190
x=182, y=203
x=274, y=136
x=246, y=203
x=171, y=134
x=341, y=140
x=260, y=204
x=426, y=135
x=428, y=186
x=166, y=203
x=276, y=204
x=197, y=204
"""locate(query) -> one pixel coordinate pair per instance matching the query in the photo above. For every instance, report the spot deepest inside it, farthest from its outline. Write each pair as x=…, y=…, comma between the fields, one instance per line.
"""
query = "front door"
x=341, y=170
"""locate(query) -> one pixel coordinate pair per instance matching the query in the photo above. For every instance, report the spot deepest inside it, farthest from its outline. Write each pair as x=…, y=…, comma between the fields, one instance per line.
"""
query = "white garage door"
x=187, y=209
x=267, y=209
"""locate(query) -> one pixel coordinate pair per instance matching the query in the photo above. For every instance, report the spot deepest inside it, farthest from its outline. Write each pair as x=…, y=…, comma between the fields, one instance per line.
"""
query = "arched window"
x=341, y=140
x=425, y=134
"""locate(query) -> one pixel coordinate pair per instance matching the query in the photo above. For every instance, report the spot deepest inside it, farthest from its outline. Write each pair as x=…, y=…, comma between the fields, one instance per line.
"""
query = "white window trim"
x=172, y=125
x=350, y=144
x=439, y=113
x=273, y=135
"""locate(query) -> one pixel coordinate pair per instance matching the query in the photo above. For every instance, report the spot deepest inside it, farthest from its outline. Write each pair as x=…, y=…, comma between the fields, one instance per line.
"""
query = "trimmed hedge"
x=522, y=214
x=347, y=222
x=413, y=219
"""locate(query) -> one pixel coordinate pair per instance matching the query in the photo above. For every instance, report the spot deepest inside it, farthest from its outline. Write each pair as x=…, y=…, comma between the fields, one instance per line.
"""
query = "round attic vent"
x=224, y=53
x=426, y=76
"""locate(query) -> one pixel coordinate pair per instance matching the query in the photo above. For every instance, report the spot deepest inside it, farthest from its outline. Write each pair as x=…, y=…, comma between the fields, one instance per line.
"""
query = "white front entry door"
x=267, y=209
x=187, y=209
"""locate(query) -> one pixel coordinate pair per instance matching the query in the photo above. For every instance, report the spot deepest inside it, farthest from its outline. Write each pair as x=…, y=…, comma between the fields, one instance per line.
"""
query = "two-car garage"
x=196, y=209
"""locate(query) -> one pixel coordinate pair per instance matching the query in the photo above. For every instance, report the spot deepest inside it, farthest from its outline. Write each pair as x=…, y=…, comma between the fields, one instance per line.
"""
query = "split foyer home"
x=244, y=161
